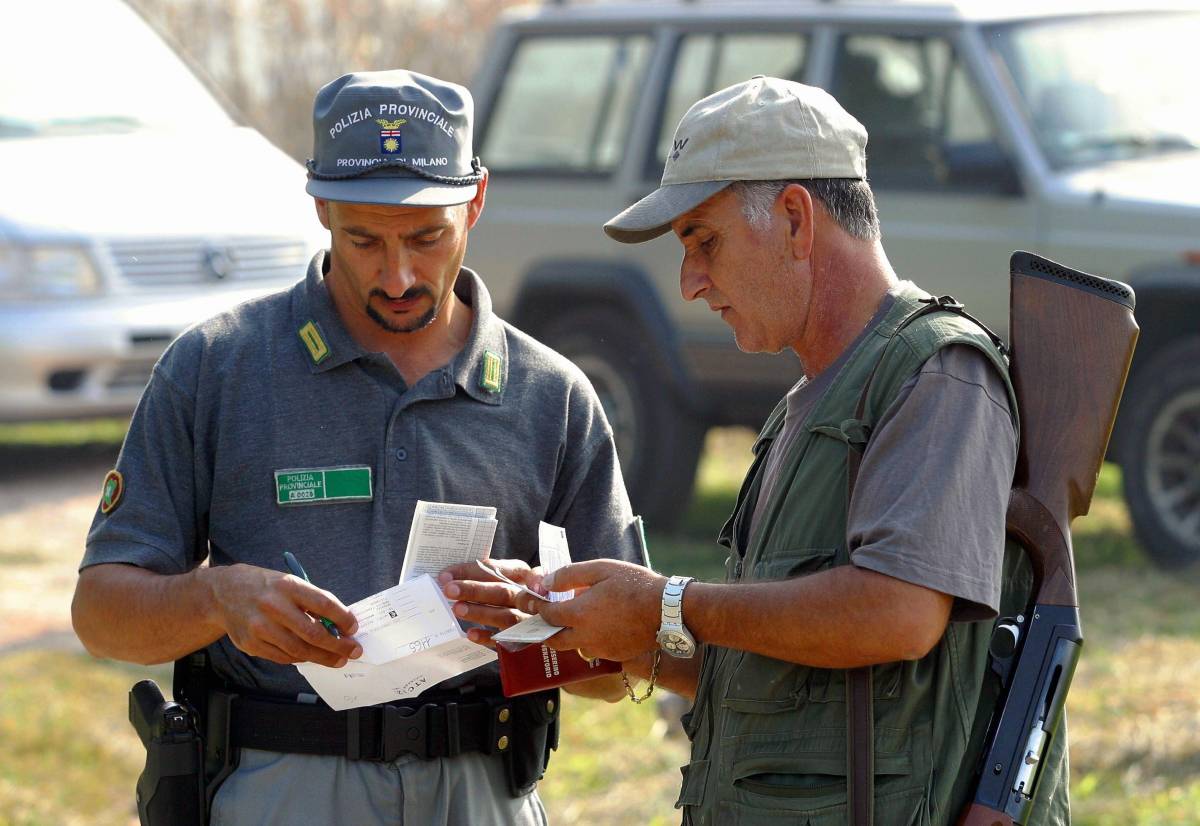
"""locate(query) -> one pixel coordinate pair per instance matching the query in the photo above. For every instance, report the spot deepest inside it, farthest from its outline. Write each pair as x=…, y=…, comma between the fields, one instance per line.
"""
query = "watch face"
x=676, y=644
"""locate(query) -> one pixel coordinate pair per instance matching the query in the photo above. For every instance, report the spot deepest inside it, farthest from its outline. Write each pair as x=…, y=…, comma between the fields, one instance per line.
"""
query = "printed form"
x=410, y=638
x=444, y=535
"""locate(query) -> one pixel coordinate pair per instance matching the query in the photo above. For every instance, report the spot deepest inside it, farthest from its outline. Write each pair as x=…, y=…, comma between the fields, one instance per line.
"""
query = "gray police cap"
x=394, y=137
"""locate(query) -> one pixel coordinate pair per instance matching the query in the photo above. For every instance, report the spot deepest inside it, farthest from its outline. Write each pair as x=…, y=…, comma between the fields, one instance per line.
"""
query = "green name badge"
x=318, y=486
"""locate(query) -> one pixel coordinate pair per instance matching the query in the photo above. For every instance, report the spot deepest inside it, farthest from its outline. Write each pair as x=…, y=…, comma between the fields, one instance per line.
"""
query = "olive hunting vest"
x=769, y=738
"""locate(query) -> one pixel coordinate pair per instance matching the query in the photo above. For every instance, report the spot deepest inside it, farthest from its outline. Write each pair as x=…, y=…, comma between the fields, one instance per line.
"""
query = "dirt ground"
x=48, y=496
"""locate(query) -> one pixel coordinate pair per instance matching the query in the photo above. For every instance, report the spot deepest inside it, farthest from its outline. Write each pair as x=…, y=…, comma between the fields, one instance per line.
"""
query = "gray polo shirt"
x=508, y=423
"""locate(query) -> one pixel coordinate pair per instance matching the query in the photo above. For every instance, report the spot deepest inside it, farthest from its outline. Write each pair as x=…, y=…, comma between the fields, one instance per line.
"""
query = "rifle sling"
x=860, y=711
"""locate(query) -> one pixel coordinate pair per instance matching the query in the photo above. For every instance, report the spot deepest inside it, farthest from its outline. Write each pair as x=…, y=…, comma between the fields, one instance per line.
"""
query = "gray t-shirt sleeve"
x=932, y=490
x=589, y=498
x=154, y=525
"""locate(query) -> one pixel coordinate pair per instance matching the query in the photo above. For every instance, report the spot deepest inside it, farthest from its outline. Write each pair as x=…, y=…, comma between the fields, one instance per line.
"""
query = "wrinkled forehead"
x=718, y=210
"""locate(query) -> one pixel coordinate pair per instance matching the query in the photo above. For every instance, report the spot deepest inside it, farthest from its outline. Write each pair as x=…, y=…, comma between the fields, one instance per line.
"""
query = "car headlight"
x=45, y=271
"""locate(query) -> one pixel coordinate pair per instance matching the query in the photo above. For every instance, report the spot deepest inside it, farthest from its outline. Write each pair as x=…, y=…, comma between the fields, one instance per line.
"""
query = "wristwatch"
x=673, y=636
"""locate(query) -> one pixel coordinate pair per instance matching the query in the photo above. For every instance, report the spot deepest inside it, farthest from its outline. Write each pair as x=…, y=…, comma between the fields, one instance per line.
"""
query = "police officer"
x=867, y=547
x=386, y=362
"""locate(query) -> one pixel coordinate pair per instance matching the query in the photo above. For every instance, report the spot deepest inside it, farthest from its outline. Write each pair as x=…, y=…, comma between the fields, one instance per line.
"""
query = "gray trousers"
x=273, y=789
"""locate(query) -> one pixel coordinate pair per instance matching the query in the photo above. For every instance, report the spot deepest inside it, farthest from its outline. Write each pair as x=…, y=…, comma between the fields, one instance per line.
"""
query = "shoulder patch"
x=491, y=372
x=318, y=350
x=111, y=491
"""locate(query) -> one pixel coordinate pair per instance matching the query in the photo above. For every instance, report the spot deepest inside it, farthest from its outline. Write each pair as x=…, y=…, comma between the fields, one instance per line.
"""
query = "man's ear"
x=322, y=212
x=475, y=205
x=798, y=209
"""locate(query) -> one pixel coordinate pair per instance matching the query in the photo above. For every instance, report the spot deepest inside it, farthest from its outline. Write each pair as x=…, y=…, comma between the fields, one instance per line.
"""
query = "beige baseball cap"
x=764, y=129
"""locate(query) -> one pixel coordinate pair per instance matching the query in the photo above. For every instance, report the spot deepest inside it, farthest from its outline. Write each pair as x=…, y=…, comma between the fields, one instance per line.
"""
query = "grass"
x=65, y=433
x=70, y=757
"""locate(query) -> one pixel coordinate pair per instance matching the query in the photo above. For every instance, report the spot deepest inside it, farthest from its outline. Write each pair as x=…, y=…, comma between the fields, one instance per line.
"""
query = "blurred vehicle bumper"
x=93, y=357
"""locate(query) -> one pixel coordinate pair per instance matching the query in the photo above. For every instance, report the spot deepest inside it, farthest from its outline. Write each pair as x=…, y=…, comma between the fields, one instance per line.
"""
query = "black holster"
x=170, y=789
x=535, y=735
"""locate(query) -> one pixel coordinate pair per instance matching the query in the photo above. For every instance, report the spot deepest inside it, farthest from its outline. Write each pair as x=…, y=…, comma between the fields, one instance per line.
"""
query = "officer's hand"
x=270, y=614
x=482, y=599
x=615, y=613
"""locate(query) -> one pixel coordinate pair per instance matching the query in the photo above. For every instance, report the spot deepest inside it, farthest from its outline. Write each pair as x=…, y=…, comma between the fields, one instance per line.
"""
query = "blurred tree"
x=269, y=57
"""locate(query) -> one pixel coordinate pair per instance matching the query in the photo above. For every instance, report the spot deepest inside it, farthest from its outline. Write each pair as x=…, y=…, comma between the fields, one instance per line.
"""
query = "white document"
x=362, y=684
x=527, y=631
x=405, y=619
x=554, y=553
x=444, y=534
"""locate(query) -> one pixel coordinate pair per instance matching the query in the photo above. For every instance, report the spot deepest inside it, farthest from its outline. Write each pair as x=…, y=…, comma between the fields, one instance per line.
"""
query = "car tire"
x=1160, y=454
x=658, y=440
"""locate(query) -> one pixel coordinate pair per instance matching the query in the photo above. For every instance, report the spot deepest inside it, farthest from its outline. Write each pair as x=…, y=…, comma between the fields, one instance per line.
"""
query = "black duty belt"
x=384, y=732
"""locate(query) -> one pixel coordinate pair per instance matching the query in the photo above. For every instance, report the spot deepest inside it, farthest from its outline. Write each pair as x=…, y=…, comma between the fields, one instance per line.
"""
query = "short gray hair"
x=849, y=201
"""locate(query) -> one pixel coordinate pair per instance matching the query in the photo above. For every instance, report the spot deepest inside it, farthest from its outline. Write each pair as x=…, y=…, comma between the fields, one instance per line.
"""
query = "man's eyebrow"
x=689, y=228
x=366, y=233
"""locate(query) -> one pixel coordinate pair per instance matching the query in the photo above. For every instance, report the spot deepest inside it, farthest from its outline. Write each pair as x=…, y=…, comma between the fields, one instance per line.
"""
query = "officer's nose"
x=398, y=273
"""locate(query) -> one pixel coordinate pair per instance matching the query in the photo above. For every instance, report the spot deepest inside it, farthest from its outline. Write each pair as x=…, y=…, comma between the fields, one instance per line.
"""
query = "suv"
x=131, y=206
x=1073, y=135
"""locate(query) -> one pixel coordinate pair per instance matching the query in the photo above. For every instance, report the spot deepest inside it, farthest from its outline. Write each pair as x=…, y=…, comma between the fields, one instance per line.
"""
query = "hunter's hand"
x=270, y=614
x=615, y=613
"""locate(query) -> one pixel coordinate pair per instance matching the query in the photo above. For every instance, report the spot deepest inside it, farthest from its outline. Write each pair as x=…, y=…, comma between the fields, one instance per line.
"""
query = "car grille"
x=203, y=261
x=131, y=375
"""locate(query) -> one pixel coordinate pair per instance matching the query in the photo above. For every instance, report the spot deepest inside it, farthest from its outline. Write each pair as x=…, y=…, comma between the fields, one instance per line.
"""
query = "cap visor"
x=391, y=190
x=652, y=216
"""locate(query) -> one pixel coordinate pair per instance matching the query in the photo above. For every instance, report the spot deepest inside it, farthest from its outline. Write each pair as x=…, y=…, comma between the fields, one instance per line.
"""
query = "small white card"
x=527, y=631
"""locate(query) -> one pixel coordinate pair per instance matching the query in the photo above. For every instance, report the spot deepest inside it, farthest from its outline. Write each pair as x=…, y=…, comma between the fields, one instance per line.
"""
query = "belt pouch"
x=534, y=735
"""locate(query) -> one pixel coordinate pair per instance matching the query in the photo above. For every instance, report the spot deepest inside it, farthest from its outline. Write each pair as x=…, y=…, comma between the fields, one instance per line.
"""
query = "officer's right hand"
x=270, y=614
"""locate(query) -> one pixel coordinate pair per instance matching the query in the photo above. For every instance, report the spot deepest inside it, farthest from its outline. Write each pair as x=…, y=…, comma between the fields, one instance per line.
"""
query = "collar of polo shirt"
x=474, y=369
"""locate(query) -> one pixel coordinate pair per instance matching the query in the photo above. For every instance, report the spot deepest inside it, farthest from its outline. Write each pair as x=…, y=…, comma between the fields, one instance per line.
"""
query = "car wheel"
x=1161, y=455
x=658, y=441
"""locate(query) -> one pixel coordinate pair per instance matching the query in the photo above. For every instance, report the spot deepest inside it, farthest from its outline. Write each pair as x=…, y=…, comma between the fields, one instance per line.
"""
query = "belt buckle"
x=405, y=730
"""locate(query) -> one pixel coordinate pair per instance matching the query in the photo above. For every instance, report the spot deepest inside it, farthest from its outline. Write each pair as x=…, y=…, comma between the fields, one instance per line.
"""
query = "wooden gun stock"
x=1072, y=338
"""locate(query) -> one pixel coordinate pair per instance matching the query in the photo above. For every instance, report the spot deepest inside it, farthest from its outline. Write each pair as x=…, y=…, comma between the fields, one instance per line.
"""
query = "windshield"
x=1106, y=88
x=106, y=71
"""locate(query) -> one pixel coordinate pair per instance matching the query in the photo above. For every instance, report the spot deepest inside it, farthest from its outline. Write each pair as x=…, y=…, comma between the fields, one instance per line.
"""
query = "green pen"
x=296, y=568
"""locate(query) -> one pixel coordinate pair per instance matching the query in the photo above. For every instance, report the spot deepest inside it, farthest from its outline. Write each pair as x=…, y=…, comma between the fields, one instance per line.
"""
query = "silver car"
x=131, y=205
x=993, y=127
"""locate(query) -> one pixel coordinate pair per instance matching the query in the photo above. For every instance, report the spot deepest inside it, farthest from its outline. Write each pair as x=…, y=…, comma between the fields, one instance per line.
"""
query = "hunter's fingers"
x=582, y=574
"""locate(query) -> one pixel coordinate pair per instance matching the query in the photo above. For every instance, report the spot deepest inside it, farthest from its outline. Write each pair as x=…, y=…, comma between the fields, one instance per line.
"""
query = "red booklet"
x=538, y=667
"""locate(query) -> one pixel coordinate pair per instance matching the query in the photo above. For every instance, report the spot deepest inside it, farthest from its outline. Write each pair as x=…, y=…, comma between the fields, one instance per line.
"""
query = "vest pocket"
x=900, y=809
x=787, y=775
x=793, y=562
x=764, y=685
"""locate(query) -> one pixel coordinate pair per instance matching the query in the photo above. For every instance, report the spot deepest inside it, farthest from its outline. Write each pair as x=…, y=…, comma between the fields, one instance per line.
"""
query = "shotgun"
x=1072, y=337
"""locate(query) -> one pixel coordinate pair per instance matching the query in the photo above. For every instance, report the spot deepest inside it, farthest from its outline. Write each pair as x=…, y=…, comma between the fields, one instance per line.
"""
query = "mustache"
x=410, y=293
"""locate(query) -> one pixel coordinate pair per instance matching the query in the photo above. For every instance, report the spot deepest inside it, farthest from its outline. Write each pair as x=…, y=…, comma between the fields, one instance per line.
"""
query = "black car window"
x=566, y=103
x=927, y=126
x=707, y=62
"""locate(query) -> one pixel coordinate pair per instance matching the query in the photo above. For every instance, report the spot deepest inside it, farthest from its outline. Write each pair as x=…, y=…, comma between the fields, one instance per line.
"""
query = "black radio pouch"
x=535, y=735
